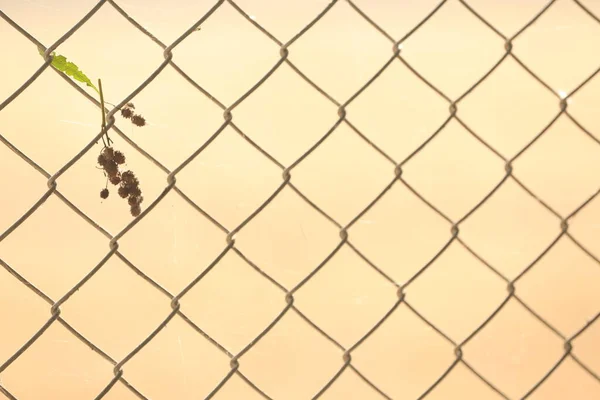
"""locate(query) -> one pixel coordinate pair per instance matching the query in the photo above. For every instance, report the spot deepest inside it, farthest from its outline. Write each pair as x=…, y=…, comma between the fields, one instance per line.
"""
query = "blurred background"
x=399, y=231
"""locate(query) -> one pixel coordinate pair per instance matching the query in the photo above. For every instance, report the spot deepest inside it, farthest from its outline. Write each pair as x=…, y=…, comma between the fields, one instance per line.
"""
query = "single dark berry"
x=138, y=120
x=134, y=191
x=132, y=188
x=115, y=179
x=111, y=168
x=135, y=200
x=119, y=157
x=123, y=192
x=128, y=177
x=126, y=113
x=136, y=210
x=131, y=182
x=104, y=193
x=101, y=160
x=108, y=153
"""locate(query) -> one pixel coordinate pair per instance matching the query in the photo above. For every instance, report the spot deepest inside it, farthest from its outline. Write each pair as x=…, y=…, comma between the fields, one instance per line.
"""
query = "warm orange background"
x=116, y=309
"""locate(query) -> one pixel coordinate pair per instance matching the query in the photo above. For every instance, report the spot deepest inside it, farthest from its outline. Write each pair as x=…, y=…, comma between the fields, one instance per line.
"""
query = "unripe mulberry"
x=128, y=177
x=119, y=157
x=123, y=192
x=126, y=113
x=134, y=191
x=138, y=120
x=135, y=200
x=115, y=179
x=111, y=168
x=101, y=160
x=108, y=153
x=136, y=210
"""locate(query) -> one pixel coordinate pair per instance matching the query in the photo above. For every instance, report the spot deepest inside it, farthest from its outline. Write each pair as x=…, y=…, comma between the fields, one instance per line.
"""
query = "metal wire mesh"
x=287, y=172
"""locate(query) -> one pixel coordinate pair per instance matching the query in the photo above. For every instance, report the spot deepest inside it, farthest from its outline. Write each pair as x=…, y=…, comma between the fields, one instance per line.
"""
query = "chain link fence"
x=345, y=239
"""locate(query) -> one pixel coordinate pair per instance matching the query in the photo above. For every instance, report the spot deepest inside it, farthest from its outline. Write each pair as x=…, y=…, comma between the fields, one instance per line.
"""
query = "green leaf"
x=60, y=63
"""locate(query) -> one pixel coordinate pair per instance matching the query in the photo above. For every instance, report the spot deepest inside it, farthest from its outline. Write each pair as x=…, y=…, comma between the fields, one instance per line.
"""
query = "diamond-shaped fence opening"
x=341, y=199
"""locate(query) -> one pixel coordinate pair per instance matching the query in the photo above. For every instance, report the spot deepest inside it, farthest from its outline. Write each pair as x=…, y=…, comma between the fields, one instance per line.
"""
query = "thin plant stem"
x=102, y=109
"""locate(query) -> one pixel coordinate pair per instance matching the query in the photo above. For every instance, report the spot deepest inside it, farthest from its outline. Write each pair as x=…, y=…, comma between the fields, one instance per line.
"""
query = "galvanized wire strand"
x=56, y=310
x=343, y=230
x=7, y=393
x=587, y=10
x=563, y=224
x=108, y=235
x=480, y=81
x=113, y=240
x=509, y=170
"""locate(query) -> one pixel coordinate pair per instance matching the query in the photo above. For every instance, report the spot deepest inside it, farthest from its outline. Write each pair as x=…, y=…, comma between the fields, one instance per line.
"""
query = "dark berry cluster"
x=128, y=112
x=111, y=160
x=130, y=189
x=129, y=186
